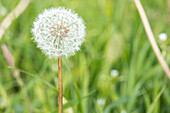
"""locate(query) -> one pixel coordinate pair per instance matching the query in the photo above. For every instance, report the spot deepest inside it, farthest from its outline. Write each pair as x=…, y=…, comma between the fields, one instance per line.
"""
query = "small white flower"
x=101, y=101
x=162, y=36
x=68, y=110
x=114, y=73
x=59, y=32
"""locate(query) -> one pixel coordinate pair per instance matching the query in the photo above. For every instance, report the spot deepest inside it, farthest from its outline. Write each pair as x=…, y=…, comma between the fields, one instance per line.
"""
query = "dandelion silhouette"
x=58, y=32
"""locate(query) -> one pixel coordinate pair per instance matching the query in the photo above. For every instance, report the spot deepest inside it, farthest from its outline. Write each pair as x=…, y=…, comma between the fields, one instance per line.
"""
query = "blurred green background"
x=116, y=70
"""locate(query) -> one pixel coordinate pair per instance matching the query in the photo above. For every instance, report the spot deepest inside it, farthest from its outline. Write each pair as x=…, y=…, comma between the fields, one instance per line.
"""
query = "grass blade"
x=32, y=75
x=156, y=99
x=74, y=102
x=114, y=104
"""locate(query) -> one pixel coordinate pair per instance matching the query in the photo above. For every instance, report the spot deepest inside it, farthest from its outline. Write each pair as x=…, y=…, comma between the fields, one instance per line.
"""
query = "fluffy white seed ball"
x=58, y=32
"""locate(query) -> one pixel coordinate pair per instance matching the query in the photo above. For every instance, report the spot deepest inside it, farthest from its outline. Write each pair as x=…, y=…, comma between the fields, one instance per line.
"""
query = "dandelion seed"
x=162, y=36
x=58, y=32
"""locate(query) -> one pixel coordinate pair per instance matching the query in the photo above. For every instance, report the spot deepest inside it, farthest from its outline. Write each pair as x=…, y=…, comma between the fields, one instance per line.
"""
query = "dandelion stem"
x=60, y=86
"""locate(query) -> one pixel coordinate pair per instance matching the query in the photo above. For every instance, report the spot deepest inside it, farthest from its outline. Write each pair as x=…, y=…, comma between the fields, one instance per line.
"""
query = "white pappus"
x=58, y=32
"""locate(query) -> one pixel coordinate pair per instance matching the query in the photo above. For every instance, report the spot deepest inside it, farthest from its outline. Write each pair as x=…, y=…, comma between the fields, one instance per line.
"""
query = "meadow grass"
x=115, y=39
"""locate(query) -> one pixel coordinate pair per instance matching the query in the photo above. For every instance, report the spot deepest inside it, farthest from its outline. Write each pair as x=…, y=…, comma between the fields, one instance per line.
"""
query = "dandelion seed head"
x=58, y=32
